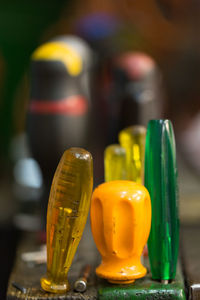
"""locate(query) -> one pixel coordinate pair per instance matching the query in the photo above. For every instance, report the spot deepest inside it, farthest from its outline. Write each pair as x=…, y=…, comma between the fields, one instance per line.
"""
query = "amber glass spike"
x=68, y=207
x=132, y=139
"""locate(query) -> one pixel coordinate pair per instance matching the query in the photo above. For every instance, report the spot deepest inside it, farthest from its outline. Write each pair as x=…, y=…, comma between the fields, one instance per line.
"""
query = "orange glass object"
x=121, y=221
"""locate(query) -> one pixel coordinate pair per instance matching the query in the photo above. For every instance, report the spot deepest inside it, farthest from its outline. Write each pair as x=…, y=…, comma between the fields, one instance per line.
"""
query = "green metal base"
x=144, y=289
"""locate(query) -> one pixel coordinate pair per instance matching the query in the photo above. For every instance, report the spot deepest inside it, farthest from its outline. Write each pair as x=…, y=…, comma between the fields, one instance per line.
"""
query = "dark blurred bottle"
x=100, y=29
x=135, y=95
x=60, y=108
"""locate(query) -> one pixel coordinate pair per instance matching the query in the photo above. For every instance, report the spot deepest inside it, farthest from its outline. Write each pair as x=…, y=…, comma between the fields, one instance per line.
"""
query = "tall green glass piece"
x=161, y=182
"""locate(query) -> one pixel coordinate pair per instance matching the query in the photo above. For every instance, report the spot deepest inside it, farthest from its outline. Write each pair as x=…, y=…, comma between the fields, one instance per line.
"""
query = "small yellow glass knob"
x=132, y=139
x=68, y=207
x=120, y=221
x=115, y=163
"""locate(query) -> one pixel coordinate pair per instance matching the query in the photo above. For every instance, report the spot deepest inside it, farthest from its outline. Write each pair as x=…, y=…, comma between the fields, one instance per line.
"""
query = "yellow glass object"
x=59, y=51
x=120, y=221
x=132, y=139
x=114, y=163
x=68, y=207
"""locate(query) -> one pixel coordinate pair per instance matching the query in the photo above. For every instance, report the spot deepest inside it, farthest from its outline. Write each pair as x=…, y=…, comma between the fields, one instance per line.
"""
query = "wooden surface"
x=29, y=277
x=190, y=250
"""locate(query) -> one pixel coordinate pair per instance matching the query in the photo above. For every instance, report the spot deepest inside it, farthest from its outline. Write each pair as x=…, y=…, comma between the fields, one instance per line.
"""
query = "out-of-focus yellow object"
x=59, y=51
x=132, y=139
x=68, y=207
x=114, y=163
x=121, y=221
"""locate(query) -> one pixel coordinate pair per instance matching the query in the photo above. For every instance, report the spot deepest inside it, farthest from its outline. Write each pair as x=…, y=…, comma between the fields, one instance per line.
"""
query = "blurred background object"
x=136, y=92
x=179, y=9
x=27, y=185
x=17, y=42
x=60, y=108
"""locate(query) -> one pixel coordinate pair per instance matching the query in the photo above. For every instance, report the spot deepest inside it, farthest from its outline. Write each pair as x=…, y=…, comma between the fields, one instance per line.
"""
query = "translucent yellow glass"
x=132, y=139
x=68, y=207
x=114, y=163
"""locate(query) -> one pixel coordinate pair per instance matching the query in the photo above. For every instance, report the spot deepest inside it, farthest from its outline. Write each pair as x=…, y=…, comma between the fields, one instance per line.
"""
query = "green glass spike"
x=115, y=163
x=161, y=182
x=132, y=139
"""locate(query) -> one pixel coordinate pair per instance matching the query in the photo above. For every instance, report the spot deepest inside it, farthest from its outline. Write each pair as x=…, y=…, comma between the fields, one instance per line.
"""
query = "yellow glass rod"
x=132, y=139
x=68, y=207
x=114, y=163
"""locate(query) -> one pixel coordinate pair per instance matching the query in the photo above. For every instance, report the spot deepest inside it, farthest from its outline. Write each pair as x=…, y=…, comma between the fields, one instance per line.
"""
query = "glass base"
x=52, y=287
x=121, y=281
x=120, y=272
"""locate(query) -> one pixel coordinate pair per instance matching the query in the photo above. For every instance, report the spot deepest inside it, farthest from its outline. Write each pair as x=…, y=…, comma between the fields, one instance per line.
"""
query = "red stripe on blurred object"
x=74, y=106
